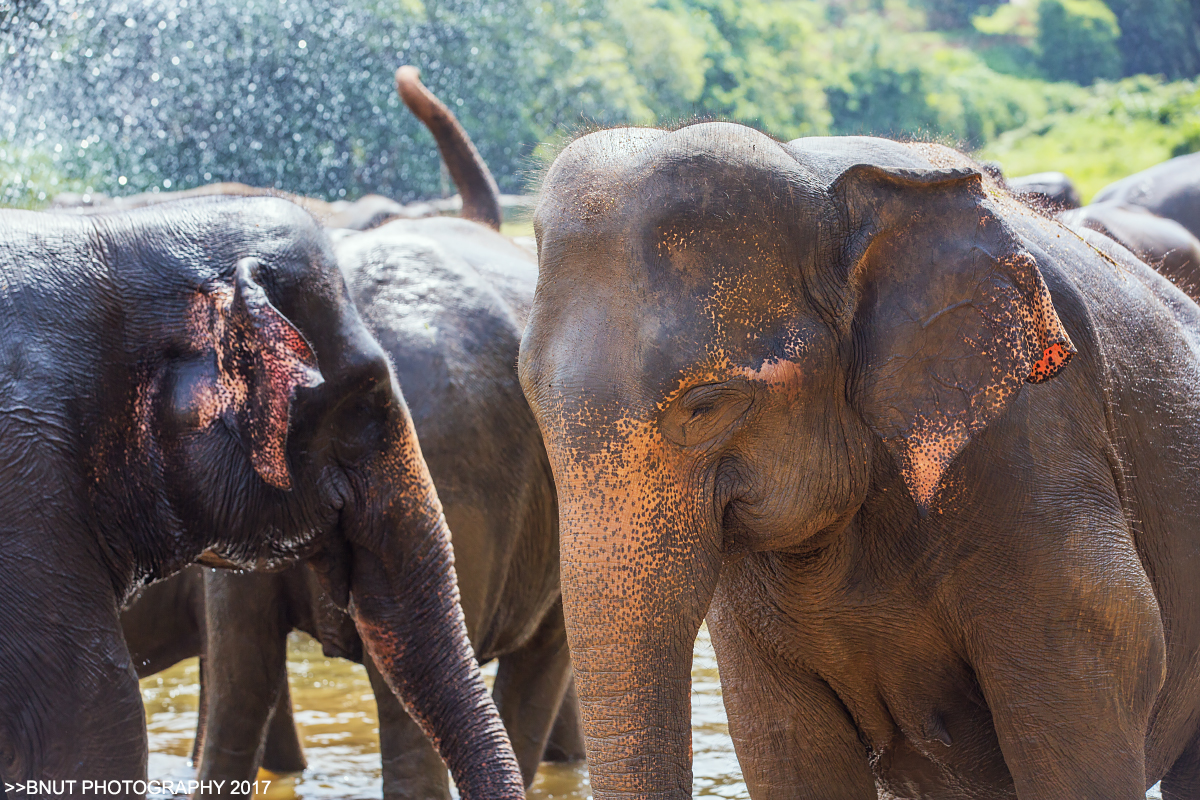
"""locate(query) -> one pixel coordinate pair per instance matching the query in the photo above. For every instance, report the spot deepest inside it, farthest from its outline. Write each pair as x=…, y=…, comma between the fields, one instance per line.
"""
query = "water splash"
x=122, y=96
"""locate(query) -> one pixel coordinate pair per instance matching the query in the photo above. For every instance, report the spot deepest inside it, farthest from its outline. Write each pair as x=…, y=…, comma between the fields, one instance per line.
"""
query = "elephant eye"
x=704, y=414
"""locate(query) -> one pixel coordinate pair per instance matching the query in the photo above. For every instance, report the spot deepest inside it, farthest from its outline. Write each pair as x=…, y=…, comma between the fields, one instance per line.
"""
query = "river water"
x=335, y=711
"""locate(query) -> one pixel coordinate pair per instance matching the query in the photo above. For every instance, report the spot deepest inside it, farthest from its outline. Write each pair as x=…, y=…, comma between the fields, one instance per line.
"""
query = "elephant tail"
x=480, y=195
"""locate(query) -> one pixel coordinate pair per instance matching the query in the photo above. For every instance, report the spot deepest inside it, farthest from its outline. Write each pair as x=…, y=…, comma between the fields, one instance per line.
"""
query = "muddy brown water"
x=335, y=711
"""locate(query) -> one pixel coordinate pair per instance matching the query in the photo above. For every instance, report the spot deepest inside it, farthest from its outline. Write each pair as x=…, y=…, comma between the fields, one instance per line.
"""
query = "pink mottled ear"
x=953, y=316
x=265, y=359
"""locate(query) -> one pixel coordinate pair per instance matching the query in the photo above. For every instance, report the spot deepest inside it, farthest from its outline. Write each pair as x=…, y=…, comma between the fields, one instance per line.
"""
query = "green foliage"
x=764, y=64
x=171, y=96
x=1159, y=37
x=1077, y=40
x=1009, y=19
x=955, y=14
x=885, y=86
x=31, y=176
x=1112, y=130
x=1006, y=40
x=1189, y=140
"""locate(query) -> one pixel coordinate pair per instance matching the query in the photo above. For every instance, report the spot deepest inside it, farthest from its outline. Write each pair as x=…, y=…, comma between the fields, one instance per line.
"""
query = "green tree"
x=767, y=64
x=1077, y=40
x=955, y=14
x=1159, y=37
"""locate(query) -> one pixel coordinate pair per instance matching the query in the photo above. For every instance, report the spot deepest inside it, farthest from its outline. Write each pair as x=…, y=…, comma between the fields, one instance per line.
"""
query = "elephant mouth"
x=211, y=558
x=270, y=562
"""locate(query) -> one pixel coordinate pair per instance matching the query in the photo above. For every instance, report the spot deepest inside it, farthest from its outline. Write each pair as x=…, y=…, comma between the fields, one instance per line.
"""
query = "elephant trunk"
x=636, y=586
x=406, y=606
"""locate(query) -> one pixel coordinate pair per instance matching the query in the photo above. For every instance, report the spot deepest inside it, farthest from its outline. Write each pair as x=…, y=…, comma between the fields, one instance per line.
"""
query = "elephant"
x=1162, y=243
x=243, y=682
x=1051, y=190
x=923, y=458
x=366, y=212
x=192, y=382
x=447, y=299
x=1170, y=189
x=485, y=455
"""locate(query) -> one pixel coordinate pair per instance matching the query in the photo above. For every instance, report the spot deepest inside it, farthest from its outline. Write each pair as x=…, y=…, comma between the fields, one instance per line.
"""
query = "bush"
x=1077, y=40
x=1159, y=37
x=955, y=14
x=1106, y=133
x=1189, y=141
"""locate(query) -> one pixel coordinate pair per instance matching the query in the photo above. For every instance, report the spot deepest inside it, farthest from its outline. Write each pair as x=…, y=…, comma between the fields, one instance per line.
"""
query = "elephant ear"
x=953, y=316
x=263, y=359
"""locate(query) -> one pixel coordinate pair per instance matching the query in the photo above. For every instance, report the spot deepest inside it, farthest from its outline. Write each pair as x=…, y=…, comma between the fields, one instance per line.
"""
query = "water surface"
x=335, y=712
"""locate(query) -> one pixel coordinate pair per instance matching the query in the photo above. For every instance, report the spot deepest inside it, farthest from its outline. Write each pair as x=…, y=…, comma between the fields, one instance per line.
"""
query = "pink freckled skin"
x=785, y=375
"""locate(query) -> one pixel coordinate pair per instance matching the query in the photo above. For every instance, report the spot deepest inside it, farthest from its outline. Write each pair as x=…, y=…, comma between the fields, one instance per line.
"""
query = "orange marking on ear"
x=1053, y=359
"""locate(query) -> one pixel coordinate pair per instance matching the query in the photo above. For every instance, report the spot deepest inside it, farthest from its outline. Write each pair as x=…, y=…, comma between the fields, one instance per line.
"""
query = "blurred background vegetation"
x=122, y=96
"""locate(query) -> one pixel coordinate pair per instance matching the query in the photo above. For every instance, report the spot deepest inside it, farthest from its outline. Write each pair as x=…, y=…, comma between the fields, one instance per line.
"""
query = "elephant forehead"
x=608, y=178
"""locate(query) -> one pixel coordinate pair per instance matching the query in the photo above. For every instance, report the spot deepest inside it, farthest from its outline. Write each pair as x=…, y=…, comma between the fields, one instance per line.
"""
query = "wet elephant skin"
x=1162, y=243
x=1170, y=189
x=923, y=458
x=361, y=214
x=167, y=622
x=448, y=300
x=194, y=378
x=247, y=699
x=1052, y=191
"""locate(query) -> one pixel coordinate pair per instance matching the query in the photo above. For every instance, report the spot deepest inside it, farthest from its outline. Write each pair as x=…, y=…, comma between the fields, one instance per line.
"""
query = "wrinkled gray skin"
x=1049, y=190
x=817, y=394
x=1162, y=243
x=247, y=700
x=454, y=350
x=448, y=300
x=1170, y=189
x=166, y=622
x=193, y=379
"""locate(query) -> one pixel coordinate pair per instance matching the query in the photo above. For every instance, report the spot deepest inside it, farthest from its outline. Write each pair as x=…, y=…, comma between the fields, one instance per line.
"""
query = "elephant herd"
x=1154, y=214
x=918, y=442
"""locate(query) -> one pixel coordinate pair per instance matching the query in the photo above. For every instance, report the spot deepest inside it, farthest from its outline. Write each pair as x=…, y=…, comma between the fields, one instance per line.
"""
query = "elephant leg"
x=283, y=752
x=201, y=720
x=1182, y=781
x=412, y=768
x=1087, y=699
x=792, y=735
x=70, y=706
x=529, y=689
x=566, y=744
x=246, y=672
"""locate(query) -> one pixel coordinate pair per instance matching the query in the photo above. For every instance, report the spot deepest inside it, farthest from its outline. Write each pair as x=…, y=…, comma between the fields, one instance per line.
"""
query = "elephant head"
x=726, y=332
x=267, y=426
